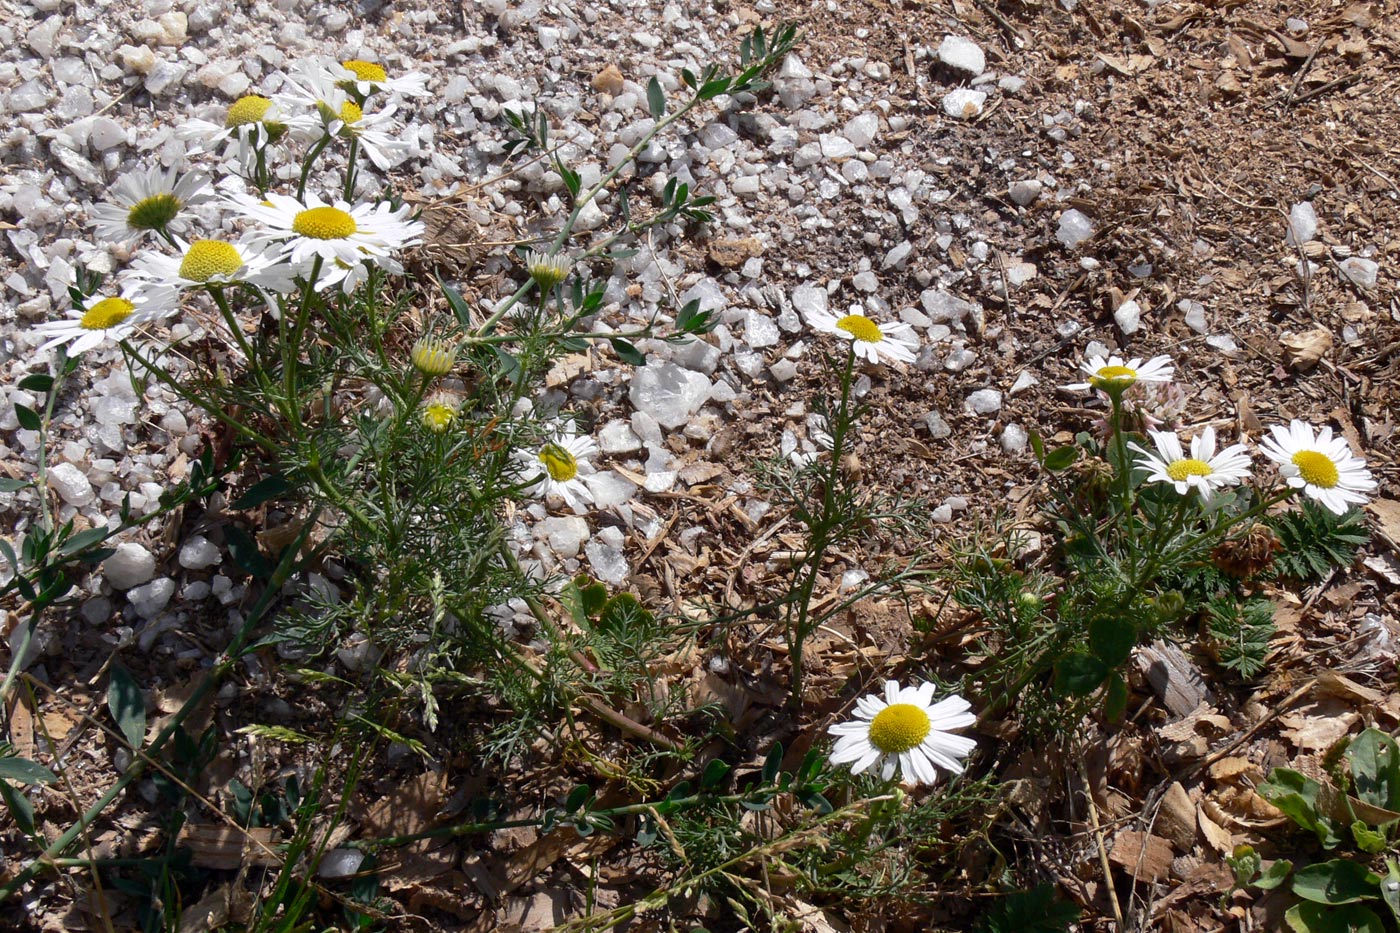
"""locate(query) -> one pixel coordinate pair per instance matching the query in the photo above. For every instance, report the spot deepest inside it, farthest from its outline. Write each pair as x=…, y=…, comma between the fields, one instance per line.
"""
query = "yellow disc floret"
x=899, y=727
x=561, y=464
x=1316, y=468
x=109, y=312
x=438, y=416
x=153, y=213
x=366, y=71
x=1115, y=375
x=350, y=112
x=860, y=327
x=324, y=223
x=246, y=110
x=208, y=258
x=1179, y=470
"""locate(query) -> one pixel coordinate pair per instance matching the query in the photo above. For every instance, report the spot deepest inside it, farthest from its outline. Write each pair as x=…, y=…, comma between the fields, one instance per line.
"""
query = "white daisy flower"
x=111, y=319
x=557, y=468
x=338, y=233
x=377, y=134
x=1322, y=466
x=906, y=731
x=870, y=341
x=365, y=78
x=215, y=262
x=146, y=202
x=252, y=122
x=1205, y=470
x=311, y=85
x=1113, y=373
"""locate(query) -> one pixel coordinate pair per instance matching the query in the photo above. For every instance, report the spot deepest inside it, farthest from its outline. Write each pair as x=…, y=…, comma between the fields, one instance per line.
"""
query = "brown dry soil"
x=1193, y=129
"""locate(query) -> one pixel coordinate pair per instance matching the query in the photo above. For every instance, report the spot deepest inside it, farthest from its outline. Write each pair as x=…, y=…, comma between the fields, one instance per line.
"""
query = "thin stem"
x=222, y=301
x=350, y=167
x=311, y=157
x=567, y=230
x=139, y=764
x=215, y=411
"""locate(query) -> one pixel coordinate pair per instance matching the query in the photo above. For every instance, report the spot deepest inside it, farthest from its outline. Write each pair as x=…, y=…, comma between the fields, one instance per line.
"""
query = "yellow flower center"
x=899, y=727
x=324, y=223
x=860, y=327
x=208, y=258
x=109, y=312
x=1180, y=469
x=366, y=71
x=561, y=464
x=153, y=213
x=245, y=110
x=350, y=112
x=438, y=416
x=1316, y=468
x=1117, y=375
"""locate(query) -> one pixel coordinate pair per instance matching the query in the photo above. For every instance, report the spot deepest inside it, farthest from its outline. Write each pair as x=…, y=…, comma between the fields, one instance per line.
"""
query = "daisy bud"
x=433, y=357
x=547, y=271
x=440, y=411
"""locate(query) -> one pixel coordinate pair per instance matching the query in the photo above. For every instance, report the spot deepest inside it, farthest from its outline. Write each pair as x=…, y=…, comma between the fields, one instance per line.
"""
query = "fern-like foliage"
x=1033, y=911
x=1316, y=541
x=1241, y=630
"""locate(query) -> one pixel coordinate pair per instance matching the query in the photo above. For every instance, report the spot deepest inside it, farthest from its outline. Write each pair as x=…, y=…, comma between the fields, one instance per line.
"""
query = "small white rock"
x=198, y=553
x=1025, y=192
x=984, y=401
x=70, y=484
x=963, y=103
x=963, y=54
x=1360, y=271
x=1128, y=317
x=1075, y=227
x=130, y=566
x=150, y=599
x=1014, y=439
x=340, y=863
x=1302, y=224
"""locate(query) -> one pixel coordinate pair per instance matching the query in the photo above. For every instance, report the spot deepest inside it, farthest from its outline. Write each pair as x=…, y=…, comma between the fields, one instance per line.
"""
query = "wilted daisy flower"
x=440, y=410
x=364, y=78
x=432, y=356
x=215, y=262
x=1114, y=374
x=111, y=318
x=907, y=731
x=146, y=202
x=547, y=271
x=1321, y=465
x=1205, y=470
x=557, y=468
x=338, y=232
x=317, y=86
x=869, y=340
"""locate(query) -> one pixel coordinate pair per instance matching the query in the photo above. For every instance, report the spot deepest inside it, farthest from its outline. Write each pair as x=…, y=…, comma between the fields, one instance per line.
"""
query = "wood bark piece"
x=1142, y=855
x=1177, y=818
x=1173, y=676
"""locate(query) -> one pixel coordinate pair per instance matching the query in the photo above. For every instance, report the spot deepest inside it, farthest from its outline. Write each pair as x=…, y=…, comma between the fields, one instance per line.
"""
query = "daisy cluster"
x=281, y=240
x=1322, y=466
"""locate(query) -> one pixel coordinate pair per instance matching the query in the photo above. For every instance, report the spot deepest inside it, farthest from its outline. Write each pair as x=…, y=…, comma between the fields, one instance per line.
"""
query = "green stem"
x=311, y=157
x=350, y=167
x=215, y=411
x=140, y=762
x=798, y=630
x=567, y=230
x=222, y=301
x=41, y=471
